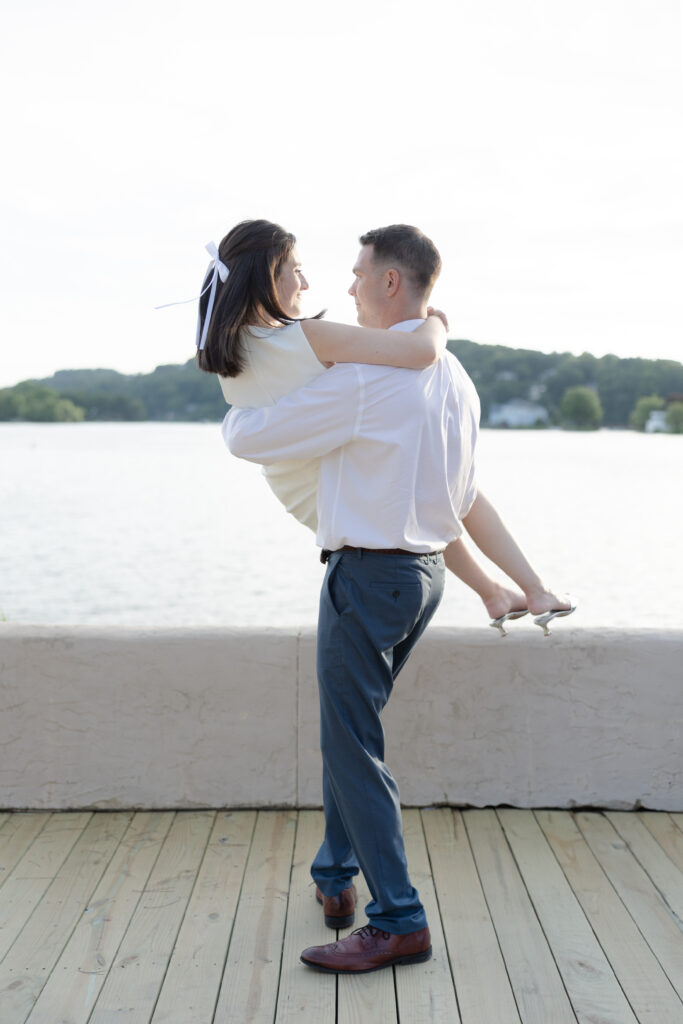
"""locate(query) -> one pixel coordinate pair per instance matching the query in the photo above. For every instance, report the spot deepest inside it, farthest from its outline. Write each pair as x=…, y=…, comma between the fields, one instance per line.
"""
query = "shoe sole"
x=414, y=958
x=338, y=922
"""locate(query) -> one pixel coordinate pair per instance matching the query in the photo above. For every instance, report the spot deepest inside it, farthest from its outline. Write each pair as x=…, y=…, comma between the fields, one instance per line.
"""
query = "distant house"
x=518, y=413
x=656, y=422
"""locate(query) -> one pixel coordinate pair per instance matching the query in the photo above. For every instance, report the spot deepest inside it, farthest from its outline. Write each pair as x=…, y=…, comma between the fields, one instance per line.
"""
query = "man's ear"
x=392, y=280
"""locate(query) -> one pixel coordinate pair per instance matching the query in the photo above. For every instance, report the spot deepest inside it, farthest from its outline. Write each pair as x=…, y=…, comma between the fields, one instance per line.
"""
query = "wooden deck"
x=542, y=917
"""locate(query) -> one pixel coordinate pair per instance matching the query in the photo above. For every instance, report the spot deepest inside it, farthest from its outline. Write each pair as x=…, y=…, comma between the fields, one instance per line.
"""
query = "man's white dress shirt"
x=396, y=448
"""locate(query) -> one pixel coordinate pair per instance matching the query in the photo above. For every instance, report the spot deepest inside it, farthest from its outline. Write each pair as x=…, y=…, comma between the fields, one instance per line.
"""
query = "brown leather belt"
x=325, y=553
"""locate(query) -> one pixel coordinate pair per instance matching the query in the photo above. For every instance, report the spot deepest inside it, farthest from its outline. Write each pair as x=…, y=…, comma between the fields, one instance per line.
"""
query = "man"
x=396, y=480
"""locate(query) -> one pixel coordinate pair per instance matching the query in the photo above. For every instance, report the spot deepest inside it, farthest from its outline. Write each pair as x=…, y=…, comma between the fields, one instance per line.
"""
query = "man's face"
x=368, y=289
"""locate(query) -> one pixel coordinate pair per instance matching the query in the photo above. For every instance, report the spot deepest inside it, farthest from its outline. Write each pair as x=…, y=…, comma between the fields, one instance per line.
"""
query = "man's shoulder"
x=338, y=377
x=352, y=374
x=452, y=359
x=369, y=373
x=455, y=366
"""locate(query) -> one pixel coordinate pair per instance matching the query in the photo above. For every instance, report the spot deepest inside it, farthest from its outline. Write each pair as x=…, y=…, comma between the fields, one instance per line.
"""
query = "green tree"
x=65, y=411
x=674, y=417
x=642, y=409
x=98, y=405
x=580, y=409
x=38, y=404
x=9, y=405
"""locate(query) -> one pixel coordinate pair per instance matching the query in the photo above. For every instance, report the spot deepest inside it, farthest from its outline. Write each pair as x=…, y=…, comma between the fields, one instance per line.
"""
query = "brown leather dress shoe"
x=340, y=909
x=368, y=949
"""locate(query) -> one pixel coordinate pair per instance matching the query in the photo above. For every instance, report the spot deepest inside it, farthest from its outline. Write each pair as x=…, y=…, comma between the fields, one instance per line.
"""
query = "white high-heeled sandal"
x=546, y=617
x=498, y=623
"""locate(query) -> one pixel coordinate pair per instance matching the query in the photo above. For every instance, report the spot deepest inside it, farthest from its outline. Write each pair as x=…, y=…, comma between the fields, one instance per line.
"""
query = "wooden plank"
x=677, y=819
x=305, y=994
x=190, y=989
x=651, y=857
x=482, y=985
x=250, y=982
x=424, y=992
x=666, y=832
x=32, y=875
x=639, y=895
x=594, y=991
x=365, y=997
x=536, y=982
x=80, y=972
x=132, y=987
x=645, y=984
x=17, y=832
x=29, y=962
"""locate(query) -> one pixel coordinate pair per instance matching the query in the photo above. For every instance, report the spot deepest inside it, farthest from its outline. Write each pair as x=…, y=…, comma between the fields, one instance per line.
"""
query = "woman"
x=250, y=334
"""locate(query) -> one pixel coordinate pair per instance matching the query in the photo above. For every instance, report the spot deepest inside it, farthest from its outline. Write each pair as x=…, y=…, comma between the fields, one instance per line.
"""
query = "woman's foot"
x=502, y=601
x=542, y=600
x=545, y=606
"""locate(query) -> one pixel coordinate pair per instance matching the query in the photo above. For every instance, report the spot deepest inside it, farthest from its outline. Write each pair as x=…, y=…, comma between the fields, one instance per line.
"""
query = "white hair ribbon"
x=219, y=270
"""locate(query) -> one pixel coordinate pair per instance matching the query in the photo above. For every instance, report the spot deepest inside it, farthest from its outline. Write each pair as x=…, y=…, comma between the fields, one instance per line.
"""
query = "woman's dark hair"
x=254, y=253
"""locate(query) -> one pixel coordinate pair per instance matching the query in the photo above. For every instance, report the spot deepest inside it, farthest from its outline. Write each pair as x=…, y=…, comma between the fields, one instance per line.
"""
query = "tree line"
x=551, y=379
x=577, y=391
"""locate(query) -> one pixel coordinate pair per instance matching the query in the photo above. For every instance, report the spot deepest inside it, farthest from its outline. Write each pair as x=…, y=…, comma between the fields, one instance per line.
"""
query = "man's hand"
x=440, y=313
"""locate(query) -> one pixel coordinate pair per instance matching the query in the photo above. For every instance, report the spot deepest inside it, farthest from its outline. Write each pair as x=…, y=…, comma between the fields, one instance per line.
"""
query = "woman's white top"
x=279, y=360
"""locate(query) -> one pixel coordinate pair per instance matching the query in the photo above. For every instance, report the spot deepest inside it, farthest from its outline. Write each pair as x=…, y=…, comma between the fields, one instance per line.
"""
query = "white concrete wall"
x=117, y=717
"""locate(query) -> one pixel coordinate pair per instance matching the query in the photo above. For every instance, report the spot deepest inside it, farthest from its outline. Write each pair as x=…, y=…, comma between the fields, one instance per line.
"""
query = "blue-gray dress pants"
x=373, y=609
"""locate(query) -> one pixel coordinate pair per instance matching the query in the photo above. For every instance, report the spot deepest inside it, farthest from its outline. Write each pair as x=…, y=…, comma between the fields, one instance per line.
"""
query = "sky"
x=539, y=143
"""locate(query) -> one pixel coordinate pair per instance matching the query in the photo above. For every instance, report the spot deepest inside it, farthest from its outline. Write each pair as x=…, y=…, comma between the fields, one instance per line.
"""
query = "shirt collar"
x=406, y=325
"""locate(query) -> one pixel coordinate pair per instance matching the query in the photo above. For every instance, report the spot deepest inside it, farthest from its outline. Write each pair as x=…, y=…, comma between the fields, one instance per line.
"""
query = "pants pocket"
x=334, y=600
x=393, y=609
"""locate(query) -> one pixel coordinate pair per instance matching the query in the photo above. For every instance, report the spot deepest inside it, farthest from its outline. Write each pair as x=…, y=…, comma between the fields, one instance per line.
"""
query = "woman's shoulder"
x=264, y=345
x=277, y=360
x=284, y=336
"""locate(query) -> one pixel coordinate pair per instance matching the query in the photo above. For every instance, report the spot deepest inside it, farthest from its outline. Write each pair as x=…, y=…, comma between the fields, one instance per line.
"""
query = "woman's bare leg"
x=498, y=600
x=491, y=536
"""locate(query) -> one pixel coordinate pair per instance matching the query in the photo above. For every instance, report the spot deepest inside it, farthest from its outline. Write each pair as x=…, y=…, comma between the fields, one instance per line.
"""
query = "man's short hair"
x=412, y=252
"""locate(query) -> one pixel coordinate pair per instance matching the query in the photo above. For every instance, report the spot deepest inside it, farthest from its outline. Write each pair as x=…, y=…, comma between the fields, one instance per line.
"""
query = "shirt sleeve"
x=309, y=422
x=470, y=493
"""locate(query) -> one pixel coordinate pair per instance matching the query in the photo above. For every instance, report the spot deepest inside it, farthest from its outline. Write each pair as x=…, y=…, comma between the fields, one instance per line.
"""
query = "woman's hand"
x=440, y=313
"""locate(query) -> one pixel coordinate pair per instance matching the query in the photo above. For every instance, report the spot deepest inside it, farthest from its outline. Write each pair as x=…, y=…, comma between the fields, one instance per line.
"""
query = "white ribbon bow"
x=219, y=270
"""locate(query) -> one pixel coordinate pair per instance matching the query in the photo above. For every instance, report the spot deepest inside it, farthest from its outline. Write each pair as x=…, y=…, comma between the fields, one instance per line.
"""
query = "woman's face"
x=291, y=284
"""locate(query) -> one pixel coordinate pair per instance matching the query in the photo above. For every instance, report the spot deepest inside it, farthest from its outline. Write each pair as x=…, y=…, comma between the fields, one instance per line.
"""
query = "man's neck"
x=407, y=325
x=399, y=316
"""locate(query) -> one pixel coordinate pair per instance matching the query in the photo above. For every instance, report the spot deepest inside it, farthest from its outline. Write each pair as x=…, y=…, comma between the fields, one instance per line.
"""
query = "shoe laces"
x=368, y=931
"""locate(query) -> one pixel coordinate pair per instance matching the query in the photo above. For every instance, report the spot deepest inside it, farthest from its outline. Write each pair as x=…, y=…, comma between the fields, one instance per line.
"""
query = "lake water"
x=156, y=524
